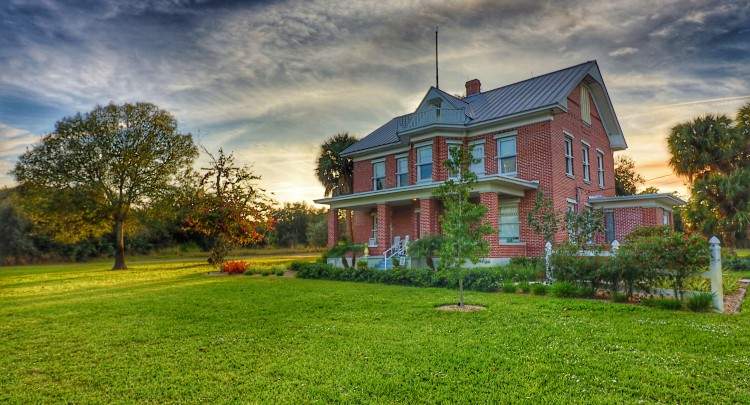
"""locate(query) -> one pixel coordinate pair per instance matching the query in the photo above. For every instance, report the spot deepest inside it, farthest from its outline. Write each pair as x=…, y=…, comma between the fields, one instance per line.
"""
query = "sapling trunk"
x=461, y=292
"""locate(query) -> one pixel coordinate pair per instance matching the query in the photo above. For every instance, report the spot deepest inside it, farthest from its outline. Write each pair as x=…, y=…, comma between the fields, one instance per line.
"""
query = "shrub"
x=564, y=289
x=663, y=303
x=583, y=270
x=525, y=287
x=586, y=292
x=509, y=287
x=234, y=267
x=539, y=289
x=619, y=297
x=362, y=265
x=734, y=263
x=426, y=248
x=488, y=279
x=700, y=302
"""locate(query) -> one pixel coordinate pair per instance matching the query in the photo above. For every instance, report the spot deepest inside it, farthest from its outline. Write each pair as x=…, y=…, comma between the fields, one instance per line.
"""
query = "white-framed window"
x=477, y=156
x=569, y=156
x=452, y=147
x=609, y=225
x=586, y=163
x=509, y=224
x=378, y=175
x=585, y=105
x=664, y=217
x=402, y=171
x=600, y=168
x=507, y=156
x=424, y=163
x=374, y=230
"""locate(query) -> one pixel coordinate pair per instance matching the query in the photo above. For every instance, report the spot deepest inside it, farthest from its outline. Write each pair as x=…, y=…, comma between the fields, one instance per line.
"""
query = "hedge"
x=487, y=279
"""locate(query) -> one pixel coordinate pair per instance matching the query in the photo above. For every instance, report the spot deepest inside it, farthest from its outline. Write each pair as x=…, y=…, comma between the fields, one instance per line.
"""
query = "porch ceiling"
x=492, y=183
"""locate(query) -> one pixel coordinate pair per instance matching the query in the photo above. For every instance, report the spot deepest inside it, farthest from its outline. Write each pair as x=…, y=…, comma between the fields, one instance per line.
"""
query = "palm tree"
x=335, y=172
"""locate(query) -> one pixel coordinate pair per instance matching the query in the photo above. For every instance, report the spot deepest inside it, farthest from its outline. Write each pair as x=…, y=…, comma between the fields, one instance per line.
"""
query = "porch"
x=386, y=220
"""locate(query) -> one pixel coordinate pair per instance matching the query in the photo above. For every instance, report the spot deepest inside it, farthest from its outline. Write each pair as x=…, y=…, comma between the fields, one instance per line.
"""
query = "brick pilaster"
x=384, y=227
x=490, y=200
x=428, y=217
x=333, y=227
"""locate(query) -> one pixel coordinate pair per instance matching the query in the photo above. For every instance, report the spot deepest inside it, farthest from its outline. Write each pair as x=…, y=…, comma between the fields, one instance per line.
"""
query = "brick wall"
x=402, y=222
x=362, y=176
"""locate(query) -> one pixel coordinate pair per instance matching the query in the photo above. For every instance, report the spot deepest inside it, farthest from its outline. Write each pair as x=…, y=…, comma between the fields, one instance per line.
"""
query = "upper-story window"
x=569, y=156
x=378, y=175
x=402, y=171
x=477, y=157
x=586, y=163
x=506, y=155
x=585, y=105
x=424, y=163
x=600, y=168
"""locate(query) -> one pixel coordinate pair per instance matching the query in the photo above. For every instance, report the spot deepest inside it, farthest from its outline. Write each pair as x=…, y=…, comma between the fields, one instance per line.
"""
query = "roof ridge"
x=533, y=78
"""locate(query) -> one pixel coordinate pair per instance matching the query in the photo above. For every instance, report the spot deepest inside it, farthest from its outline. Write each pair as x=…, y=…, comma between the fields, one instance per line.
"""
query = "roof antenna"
x=437, y=82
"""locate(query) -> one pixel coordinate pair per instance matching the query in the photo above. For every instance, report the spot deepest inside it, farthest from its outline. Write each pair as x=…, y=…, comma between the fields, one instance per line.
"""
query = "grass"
x=166, y=332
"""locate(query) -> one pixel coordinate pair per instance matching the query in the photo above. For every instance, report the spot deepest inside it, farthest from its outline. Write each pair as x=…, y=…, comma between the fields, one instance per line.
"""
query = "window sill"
x=570, y=176
x=512, y=243
x=587, y=181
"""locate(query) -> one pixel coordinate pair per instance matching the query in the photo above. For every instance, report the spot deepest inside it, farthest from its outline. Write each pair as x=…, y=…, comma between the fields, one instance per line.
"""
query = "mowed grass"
x=167, y=332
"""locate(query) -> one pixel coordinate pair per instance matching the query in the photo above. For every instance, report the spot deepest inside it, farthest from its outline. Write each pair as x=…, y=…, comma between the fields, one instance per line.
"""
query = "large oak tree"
x=95, y=168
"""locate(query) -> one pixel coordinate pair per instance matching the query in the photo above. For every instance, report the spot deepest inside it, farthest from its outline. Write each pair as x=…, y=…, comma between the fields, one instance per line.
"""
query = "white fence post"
x=714, y=274
x=547, y=264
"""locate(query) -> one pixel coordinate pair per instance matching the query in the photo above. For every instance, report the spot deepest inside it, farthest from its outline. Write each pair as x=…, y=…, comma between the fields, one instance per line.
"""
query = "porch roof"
x=663, y=200
x=500, y=184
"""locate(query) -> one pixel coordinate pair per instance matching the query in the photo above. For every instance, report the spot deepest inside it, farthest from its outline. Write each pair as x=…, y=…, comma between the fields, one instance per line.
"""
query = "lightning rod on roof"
x=437, y=81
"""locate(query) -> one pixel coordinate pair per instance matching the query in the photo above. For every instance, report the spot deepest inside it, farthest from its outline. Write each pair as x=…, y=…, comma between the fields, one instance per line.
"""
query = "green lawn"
x=167, y=332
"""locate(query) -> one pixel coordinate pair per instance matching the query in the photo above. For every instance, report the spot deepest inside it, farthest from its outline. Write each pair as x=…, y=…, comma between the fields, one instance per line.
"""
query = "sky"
x=271, y=80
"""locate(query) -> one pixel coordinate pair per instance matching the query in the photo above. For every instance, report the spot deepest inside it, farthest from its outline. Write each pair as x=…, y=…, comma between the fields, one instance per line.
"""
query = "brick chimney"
x=473, y=86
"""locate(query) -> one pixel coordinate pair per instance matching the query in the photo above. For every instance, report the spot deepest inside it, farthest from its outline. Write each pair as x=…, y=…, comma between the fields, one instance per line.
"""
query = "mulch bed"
x=456, y=308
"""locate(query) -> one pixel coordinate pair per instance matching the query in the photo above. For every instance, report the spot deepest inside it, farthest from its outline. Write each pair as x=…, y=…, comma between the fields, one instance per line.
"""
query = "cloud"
x=13, y=142
x=267, y=79
x=624, y=51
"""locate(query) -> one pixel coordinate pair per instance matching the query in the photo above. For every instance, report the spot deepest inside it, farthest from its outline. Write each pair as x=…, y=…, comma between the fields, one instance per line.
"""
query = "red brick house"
x=555, y=132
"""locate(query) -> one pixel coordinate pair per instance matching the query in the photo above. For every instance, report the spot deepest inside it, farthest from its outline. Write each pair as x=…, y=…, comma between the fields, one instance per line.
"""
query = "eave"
x=500, y=184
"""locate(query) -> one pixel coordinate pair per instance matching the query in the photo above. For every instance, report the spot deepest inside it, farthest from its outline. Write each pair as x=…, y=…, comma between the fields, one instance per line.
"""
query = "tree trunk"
x=119, y=244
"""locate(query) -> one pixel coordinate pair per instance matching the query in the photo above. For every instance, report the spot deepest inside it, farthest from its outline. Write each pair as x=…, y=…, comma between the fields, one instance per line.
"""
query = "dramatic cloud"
x=272, y=80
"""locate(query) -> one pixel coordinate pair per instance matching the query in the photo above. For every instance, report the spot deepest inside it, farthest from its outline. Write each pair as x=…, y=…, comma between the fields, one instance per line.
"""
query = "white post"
x=547, y=264
x=614, y=247
x=714, y=274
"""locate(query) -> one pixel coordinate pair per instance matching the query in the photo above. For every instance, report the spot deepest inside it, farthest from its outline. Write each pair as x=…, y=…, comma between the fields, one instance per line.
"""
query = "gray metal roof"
x=548, y=90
